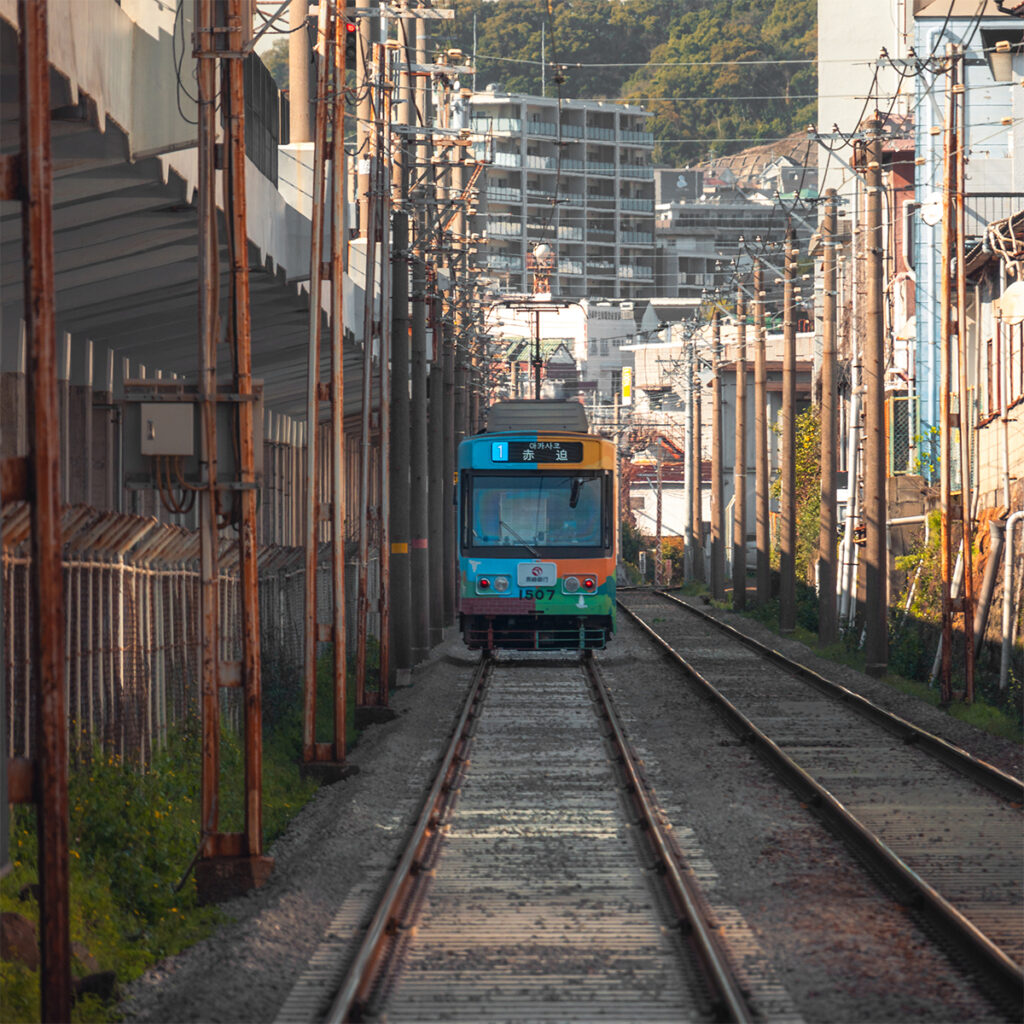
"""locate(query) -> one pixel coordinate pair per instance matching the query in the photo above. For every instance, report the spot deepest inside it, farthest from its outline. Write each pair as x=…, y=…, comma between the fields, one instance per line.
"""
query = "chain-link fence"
x=902, y=415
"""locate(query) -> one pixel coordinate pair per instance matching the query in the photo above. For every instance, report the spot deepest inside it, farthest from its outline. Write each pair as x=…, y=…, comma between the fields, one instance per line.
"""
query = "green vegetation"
x=133, y=836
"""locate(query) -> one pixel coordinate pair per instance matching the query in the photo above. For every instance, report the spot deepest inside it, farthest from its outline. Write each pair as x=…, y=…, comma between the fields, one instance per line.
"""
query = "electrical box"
x=167, y=428
x=160, y=433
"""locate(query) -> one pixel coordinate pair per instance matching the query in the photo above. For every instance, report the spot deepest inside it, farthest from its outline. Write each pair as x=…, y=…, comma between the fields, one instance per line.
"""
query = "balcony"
x=637, y=138
x=504, y=228
x=604, y=169
x=546, y=128
x=638, y=205
x=507, y=160
x=570, y=267
x=498, y=125
x=604, y=134
x=637, y=171
x=636, y=238
x=628, y=270
x=498, y=194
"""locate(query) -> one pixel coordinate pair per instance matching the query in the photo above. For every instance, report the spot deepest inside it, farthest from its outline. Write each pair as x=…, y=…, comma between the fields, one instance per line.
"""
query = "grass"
x=133, y=835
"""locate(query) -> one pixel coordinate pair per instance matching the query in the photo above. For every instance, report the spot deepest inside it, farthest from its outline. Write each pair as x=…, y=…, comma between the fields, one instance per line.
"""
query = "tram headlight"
x=574, y=584
x=501, y=584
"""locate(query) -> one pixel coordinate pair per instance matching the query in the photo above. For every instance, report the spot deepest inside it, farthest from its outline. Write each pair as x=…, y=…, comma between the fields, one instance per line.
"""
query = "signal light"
x=351, y=42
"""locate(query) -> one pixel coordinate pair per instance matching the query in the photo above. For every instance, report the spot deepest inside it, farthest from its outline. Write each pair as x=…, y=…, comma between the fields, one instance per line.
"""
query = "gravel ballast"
x=771, y=864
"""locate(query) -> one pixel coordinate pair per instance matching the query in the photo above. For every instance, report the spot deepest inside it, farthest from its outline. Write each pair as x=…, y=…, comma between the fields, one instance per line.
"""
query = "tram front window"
x=534, y=511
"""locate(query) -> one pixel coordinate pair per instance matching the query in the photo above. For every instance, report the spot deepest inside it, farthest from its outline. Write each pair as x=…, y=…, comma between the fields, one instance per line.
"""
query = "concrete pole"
x=690, y=477
x=963, y=384
x=435, y=463
x=717, y=504
x=418, y=502
x=828, y=624
x=945, y=384
x=739, y=521
x=448, y=473
x=787, y=516
x=876, y=607
x=699, y=568
x=299, y=126
x=399, y=466
x=761, y=496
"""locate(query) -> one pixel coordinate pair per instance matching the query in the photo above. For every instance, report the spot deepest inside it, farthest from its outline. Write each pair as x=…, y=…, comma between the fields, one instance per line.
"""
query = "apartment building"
x=574, y=175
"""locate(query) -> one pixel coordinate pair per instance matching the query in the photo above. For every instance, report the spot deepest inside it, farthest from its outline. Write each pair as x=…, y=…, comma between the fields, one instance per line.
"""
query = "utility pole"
x=325, y=495
x=761, y=495
x=787, y=517
x=717, y=505
x=964, y=424
x=298, y=72
x=739, y=535
x=419, y=496
x=43, y=780
x=401, y=583
x=382, y=184
x=694, y=466
x=230, y=863
x=365, y=127
x=691, y=528
x=876, y=562
x=828, y=627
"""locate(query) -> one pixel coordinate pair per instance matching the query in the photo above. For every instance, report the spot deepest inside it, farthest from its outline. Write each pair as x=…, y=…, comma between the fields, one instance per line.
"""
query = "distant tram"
x=537, y=500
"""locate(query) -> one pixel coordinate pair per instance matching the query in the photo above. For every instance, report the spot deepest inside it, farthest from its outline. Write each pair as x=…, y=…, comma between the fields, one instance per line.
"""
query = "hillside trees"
x=705, y=94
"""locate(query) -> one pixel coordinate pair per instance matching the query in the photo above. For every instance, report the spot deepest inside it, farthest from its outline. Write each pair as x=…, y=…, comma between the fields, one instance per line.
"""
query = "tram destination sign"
x=537, y=451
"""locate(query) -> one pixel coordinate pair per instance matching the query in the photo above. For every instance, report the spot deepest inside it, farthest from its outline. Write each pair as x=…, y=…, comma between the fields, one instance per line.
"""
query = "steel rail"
x=910, y=889
x=992, y=778
x=351, y=996
x=696, y=923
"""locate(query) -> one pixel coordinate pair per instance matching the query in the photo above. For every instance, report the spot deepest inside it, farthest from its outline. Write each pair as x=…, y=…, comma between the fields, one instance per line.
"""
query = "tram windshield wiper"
x=533, y=551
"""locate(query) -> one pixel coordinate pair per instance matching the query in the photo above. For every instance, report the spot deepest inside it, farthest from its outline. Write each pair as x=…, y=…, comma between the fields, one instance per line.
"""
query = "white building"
x=574, y=174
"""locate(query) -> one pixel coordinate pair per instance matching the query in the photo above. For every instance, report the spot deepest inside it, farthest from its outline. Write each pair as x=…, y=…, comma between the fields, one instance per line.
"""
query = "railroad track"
x=940, y=828
x=540, y=882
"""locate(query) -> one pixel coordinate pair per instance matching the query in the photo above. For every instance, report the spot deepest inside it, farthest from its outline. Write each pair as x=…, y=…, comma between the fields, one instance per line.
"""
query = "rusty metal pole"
x=717, y=503
x=739, y=535
x=209, y=533
x=876, y=556
x=761, y=489
x=311, y=630
x=339, y=255
x=945, y=382
x=46, y=583
x=248, y=551
x=963, y=388
x=787, y=517
x=364, y=123
x=828, y=623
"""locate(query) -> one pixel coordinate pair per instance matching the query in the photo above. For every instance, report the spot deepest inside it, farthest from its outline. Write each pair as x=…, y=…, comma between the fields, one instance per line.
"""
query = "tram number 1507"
x=539, y=593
